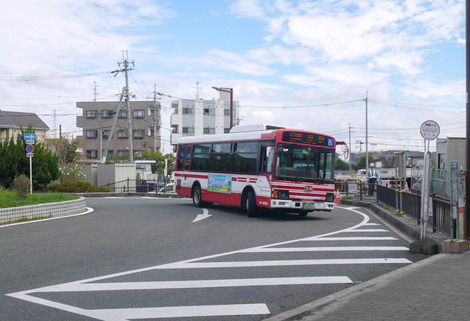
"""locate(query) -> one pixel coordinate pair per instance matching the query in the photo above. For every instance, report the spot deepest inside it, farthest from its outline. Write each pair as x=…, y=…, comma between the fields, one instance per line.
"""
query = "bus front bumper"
x=302, y=205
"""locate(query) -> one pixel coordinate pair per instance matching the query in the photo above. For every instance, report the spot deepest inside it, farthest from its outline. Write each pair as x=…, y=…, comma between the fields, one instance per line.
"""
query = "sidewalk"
x=432, y=289
x=435, y=288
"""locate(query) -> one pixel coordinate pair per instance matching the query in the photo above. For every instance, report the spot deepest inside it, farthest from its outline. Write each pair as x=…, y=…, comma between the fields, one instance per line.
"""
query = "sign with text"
x=29, y=136
x=430, y=130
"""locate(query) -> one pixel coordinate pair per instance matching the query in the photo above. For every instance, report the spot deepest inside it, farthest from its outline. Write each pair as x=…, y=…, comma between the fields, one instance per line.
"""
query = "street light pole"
x=230, y=91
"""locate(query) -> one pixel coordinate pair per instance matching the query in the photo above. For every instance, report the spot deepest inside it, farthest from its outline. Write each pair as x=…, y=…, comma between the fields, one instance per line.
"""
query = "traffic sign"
x=29, y=148
x=30, y=142
x=430, y=130
x=29, y=136
x=29, y=154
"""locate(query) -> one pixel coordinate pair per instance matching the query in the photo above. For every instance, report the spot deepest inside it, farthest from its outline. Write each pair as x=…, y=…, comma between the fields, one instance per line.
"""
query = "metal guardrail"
x=408, y=203
x=137, y=186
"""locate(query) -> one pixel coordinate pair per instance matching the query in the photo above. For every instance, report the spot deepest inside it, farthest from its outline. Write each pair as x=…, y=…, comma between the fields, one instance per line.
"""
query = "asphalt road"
x=150, y=258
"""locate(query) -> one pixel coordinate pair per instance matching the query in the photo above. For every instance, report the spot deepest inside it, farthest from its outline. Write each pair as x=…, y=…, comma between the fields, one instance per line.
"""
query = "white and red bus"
x=256, y=167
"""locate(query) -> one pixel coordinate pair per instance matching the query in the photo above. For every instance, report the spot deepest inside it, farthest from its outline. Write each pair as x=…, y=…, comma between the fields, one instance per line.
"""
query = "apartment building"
x=97, y=121
x=203, y=117
x=11, y=123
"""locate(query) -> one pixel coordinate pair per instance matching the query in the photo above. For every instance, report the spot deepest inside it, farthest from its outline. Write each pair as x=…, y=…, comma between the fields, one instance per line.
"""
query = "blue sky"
x=301, y=64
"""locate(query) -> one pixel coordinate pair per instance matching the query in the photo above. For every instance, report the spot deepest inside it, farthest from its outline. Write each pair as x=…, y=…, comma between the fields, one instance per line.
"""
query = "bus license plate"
x=311, y=206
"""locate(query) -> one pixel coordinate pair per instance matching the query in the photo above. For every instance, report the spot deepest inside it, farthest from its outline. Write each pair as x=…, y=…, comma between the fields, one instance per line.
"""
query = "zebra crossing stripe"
x=180, y=312
x=237, y=264
x=360, y=238
x=192, y=284
x=325, y=249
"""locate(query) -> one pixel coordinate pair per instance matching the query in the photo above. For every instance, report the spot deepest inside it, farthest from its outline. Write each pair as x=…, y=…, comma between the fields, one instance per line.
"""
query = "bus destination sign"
x=307, y=138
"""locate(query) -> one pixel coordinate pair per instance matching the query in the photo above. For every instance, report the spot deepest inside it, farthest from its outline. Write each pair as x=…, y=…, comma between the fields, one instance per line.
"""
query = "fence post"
x=434, y=216
x=128, y=190
x=360, y=189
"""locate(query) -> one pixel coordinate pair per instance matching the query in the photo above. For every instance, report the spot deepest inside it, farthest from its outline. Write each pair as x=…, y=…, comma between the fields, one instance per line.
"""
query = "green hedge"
x=76, y=187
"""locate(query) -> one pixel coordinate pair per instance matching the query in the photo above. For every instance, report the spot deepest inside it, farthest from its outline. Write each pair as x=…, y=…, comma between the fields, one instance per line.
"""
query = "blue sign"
x=29, y=136
x=330, y=142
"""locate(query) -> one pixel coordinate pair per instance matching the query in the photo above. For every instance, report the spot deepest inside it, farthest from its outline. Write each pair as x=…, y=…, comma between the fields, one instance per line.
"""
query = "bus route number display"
x=307, y=138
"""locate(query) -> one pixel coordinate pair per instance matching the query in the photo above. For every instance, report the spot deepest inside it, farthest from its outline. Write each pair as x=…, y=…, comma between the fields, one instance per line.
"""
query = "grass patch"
x=10, y=199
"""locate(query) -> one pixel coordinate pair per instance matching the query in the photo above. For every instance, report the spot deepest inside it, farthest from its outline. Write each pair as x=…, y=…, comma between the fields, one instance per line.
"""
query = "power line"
x=51, y=77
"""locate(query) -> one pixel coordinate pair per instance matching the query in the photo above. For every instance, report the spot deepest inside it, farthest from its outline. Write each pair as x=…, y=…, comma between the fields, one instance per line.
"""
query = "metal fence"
x=138, y=186
x=447, y=190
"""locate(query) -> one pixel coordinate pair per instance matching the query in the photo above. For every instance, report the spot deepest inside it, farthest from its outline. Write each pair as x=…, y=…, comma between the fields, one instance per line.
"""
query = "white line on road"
x=236, y=264
x=180, y=312
x=325, y=249
x=368, y=230
x=194, y=284
x=205, y=214
x=349, y=239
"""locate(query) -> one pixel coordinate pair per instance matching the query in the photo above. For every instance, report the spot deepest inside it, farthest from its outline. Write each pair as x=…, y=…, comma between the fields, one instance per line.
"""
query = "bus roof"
x=245, y=135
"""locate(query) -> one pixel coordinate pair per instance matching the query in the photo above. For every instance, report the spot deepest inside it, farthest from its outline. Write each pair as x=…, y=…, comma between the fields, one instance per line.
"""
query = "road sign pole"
x=31, y=175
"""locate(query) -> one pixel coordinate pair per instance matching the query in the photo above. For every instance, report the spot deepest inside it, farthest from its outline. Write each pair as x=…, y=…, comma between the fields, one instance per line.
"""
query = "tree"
x=341, y=165
x=14, y=162
x=159, y=166
x=362, y=162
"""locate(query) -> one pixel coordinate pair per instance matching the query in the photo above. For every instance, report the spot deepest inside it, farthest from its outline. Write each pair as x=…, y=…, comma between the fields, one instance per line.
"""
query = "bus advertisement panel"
x=282, y=169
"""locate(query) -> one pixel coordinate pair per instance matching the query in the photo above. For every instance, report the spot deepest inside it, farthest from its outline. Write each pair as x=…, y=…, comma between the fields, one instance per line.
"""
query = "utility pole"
x=367, y=136
x=157, y=123
x=95, y=90
x=467, y=77
x=125, y=65
x=349, y=156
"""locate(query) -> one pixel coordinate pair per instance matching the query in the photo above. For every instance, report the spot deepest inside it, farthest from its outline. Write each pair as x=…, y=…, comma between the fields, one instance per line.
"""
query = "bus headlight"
x=281, y=194
x=330, y=197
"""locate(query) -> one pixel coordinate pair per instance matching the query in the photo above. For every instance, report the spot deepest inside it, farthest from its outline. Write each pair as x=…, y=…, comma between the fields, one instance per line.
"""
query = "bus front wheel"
x=197, y=196
x=250, y=205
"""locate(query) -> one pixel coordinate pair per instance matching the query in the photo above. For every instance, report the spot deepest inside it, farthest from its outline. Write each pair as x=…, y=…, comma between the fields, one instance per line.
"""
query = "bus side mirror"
x=269, y=151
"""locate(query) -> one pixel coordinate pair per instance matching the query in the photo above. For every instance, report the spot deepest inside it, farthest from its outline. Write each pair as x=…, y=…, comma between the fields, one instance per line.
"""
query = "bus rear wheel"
x=250, y=204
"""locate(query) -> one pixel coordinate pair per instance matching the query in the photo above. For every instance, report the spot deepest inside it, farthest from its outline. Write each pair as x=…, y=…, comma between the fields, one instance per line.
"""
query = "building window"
x=174, y=129
x=138, y=113
x=122, y=113
x=91, y=114
x=226, y=112
x=188, y=130
x=226, y=130
x=92, y=154
x=105, y=133
x=209, y=130
x=123, y=152
x=91, y=133
x=122, y=133
x=107, y=113
x=209, y=111
x=138, y=133
x=188, y=111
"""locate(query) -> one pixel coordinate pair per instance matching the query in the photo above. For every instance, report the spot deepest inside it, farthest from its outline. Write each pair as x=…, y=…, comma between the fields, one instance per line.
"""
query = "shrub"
x=21, y=185
x=76, y=187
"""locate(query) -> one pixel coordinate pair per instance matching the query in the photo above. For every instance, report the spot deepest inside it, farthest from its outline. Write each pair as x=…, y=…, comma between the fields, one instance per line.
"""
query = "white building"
x=203, y=117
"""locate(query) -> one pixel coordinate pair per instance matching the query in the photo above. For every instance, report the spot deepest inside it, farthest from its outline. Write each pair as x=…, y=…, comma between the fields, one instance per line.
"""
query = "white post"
x=31, y=175
x=425, y=194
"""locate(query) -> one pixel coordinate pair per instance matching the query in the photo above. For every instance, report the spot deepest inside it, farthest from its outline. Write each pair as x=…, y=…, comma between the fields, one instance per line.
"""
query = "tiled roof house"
x=12, y=121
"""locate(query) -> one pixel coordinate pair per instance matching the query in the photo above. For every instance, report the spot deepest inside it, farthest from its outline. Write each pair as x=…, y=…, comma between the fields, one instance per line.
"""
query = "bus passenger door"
x=185, y=183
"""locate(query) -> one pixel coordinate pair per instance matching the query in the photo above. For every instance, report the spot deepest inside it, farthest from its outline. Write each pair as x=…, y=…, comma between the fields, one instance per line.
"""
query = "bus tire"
x=303, y=213
x=250, y=204
x=196, y=195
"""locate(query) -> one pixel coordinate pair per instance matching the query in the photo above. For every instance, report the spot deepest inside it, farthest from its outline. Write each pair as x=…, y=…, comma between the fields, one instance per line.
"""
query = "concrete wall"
x=43, y=210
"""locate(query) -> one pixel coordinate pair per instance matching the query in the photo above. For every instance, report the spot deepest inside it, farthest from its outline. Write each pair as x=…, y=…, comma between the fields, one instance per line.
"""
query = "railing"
x=405, y=202
x=137, y=186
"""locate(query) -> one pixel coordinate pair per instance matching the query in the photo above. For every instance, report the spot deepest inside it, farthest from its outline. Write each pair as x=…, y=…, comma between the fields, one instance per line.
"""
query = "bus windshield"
x=304, y=163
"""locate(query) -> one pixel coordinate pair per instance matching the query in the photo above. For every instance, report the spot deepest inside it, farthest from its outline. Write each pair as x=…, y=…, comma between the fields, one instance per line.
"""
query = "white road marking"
x=349, y=239
x=205, y=214
x=237, y=264
x=370, y=230
x=325, y=249
x=180, y=312
x=193, y=284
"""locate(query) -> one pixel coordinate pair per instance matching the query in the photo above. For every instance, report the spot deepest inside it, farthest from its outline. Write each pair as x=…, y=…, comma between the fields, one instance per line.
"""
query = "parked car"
x=145, y=186
x=169, y=188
